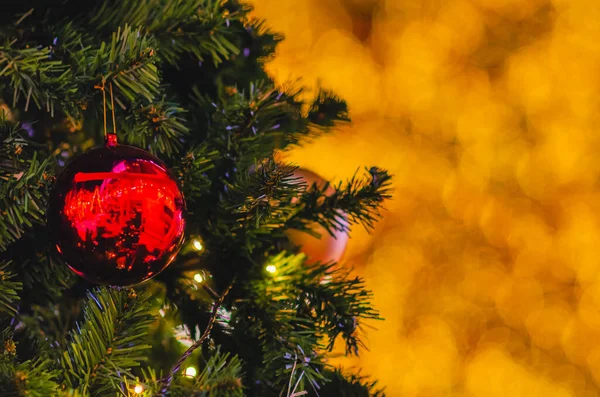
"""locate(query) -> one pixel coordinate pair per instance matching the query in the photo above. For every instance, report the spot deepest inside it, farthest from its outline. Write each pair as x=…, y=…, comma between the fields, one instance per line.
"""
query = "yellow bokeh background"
x=487, y=112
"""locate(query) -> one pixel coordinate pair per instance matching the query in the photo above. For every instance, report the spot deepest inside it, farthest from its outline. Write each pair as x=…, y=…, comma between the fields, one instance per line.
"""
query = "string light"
x=198, y=278
x=197, y=244
x=138, y=389
x=271, y=268
x=190, y=372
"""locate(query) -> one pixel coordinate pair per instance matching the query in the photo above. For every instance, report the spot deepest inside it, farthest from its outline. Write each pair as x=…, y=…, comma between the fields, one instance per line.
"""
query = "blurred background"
x=485, y=264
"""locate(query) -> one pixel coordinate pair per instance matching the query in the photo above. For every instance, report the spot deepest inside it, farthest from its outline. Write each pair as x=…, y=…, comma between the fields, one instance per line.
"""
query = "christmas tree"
x=239, y=310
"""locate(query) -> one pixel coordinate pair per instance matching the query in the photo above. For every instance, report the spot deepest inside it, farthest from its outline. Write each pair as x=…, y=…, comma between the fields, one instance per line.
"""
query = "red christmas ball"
x=116, y=215
x=327, y=248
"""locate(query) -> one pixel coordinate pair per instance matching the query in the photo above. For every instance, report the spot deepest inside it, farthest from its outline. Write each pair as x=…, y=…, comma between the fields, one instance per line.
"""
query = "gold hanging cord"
x=112, y=108
x=112, y=105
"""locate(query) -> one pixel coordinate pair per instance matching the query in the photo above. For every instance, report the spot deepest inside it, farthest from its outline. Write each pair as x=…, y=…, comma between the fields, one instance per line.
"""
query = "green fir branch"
x=35, y=378
x=220, y=376
x=199, y=28
x=293, y=364
x=344, y=384
x=266, y=39
x=49, y=325
x=158, y=126
x=326, y=295
x=327, y=109
x=33, y=75
x=288, y=340
x=74, y=393
x=22, y=200
x=110, y=341
x=250, y=124
x=24, y=183
x=359, y=201
x=261, y=201
x=192, y=172
x=9, y=289
x=129, y=63
x=41, y=270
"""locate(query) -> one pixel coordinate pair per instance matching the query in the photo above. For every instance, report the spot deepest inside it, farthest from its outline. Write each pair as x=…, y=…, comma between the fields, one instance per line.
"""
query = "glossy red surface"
x=116, y=215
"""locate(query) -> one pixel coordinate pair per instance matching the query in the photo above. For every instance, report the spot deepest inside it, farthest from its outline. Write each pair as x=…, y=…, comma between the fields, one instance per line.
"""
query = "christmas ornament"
x=116, y=215
x=327, y=248
x=6, y=112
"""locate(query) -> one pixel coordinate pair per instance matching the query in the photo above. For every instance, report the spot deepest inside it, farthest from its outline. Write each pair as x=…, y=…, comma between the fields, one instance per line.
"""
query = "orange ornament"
x=327, y=248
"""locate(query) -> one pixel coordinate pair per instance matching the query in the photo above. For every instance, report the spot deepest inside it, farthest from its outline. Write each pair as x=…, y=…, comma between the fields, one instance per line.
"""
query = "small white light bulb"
x=271, y=268
x=138, y=389
x=197, y=244
x=190, y=372
x=198, y=278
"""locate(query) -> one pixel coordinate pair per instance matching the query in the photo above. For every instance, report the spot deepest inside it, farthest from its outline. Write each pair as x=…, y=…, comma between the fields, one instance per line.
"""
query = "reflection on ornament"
x=327, y=248
x=116, y=215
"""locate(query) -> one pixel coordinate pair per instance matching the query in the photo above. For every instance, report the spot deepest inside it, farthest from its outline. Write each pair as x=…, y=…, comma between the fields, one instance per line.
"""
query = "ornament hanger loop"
x=109, y=139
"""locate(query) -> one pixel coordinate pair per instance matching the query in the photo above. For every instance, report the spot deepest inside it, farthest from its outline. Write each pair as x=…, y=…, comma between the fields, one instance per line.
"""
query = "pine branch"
x=293, y=365
x=8, y=289
x=169, y=378
x=350, y=385
x=287, y=341
x=199, y=28
x=128, y=63
x=261, y=201
x=326, y=296
x=247, y=125
x=41, y=270
x=22, y=200
x=49, y=325
x=24, y=182
x=328, y=109
x=158, y=126
x=266, y=39
x=221, y=375
x=50, y=306
x=250, y=124
x=32, y=74
x=360, y=199
x=35, y=378
x=192, y=172
x=73, y=393
x=109, y=342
